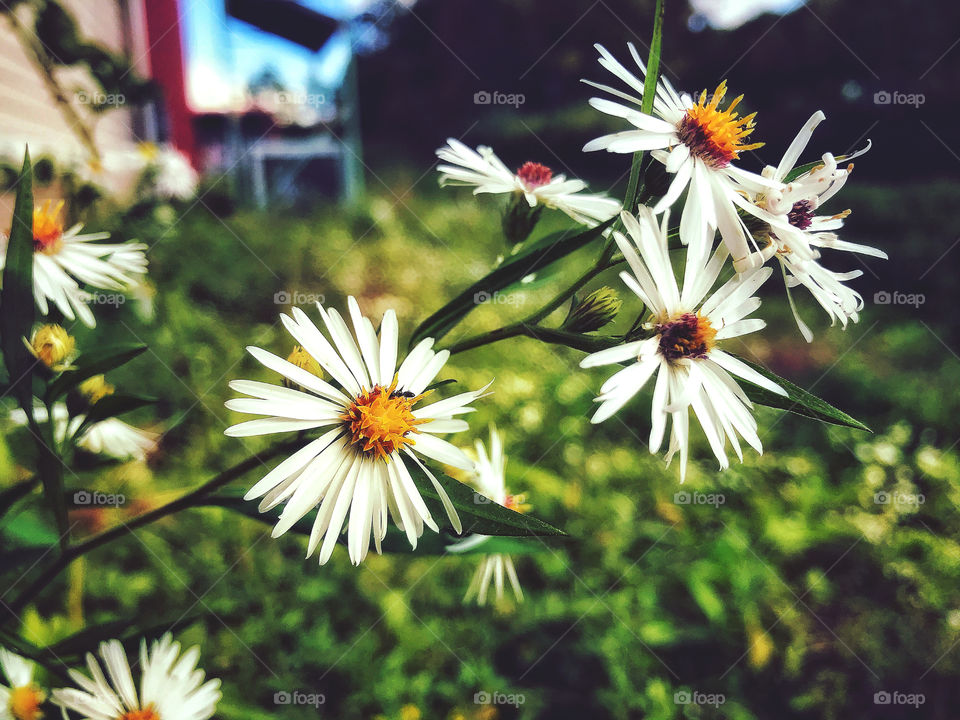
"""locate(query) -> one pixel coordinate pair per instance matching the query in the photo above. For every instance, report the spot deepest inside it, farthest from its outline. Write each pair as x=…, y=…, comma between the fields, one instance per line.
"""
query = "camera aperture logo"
x=895, y=97
x=498, y=698
x=885, y=297
x=86, y=498
x=495, y=97
x=695, y=697
x=299, y=697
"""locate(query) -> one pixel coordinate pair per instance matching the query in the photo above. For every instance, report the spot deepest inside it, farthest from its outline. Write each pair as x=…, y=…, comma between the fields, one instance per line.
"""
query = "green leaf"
x=502, y=545
x=16, y=296
x=111, y=406
x=478, y=513
x=128, y=632
x=16, y=492
x=539, y=255
x=797, y=401
x=395, y=542
x=90, y=364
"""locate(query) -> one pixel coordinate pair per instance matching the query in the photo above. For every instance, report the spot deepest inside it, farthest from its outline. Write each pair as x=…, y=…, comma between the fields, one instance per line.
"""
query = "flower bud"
x=593, y=312
x=95, y=388
x=519, y=219
x=303, y=360
x=52, y=346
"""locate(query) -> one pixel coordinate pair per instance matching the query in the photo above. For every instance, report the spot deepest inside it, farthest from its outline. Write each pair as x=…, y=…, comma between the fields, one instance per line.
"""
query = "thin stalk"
x=533, y=320
x=646, y=105
x=114, y=533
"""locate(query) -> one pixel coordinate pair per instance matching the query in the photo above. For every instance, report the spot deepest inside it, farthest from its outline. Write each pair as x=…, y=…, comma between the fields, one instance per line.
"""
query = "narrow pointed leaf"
x=478, y=513
x=539, y=255
x=16, y=296
x=90, y=364
x=797, y=401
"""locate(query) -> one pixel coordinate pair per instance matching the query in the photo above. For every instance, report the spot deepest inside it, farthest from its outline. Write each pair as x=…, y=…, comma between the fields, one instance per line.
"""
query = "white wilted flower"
x=374, y=427
x=482, y=169
x=63, y=259
x=171, y=685
x=490, y=479
x=697, y=142
x=112, y=437
x=798, y=234
x=681, y=350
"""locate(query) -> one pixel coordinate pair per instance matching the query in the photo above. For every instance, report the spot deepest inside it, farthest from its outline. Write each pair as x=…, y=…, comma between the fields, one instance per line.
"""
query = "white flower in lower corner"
x=63, y=260
x=172, y=687
x=373, y=427
x=798, y=234
x=697, y=142
x=20, y=698
x=681, y=350
x=481, y=168
x=490, y=479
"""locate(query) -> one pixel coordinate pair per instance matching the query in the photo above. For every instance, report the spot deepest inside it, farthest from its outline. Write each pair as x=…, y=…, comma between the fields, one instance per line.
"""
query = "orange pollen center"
x=148, y=713
x=688, y=336
x=47, y=228
x=534, y=175
x=380, y=420
x=716, y=136
x=25, y=702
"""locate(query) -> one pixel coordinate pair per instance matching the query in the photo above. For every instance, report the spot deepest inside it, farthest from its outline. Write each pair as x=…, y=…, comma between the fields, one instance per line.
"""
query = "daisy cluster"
x=377, y=427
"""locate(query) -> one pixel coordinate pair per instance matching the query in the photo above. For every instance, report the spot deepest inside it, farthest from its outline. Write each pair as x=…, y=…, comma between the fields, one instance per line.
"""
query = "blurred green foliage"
x=796, y=585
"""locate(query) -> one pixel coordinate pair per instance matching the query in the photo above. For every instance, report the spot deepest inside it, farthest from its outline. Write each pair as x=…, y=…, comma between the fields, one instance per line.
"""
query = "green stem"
x=646, y=105
x=605, y=262
x=183, y=502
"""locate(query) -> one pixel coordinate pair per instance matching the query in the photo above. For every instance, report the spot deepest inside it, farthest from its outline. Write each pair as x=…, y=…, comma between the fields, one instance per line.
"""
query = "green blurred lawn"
x=797, y=597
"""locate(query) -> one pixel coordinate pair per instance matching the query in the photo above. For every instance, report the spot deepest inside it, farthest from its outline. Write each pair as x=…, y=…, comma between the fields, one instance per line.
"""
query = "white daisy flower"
x=489, y=478
x=63, y=259
x=797, y=233
x=682, y=347
x=111, y=437
x=697, y=142
x=21, y=698
x=171, y=685
x=481, y=168
x=358, y=464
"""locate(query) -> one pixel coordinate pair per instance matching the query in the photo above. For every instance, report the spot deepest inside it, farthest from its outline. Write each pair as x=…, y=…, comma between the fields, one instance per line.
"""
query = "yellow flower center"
x=25, y=702
x=380, y=420
x=52, y=345
x=148, y=713
x=713, y=135
x=47, y=228
x=688, y=336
